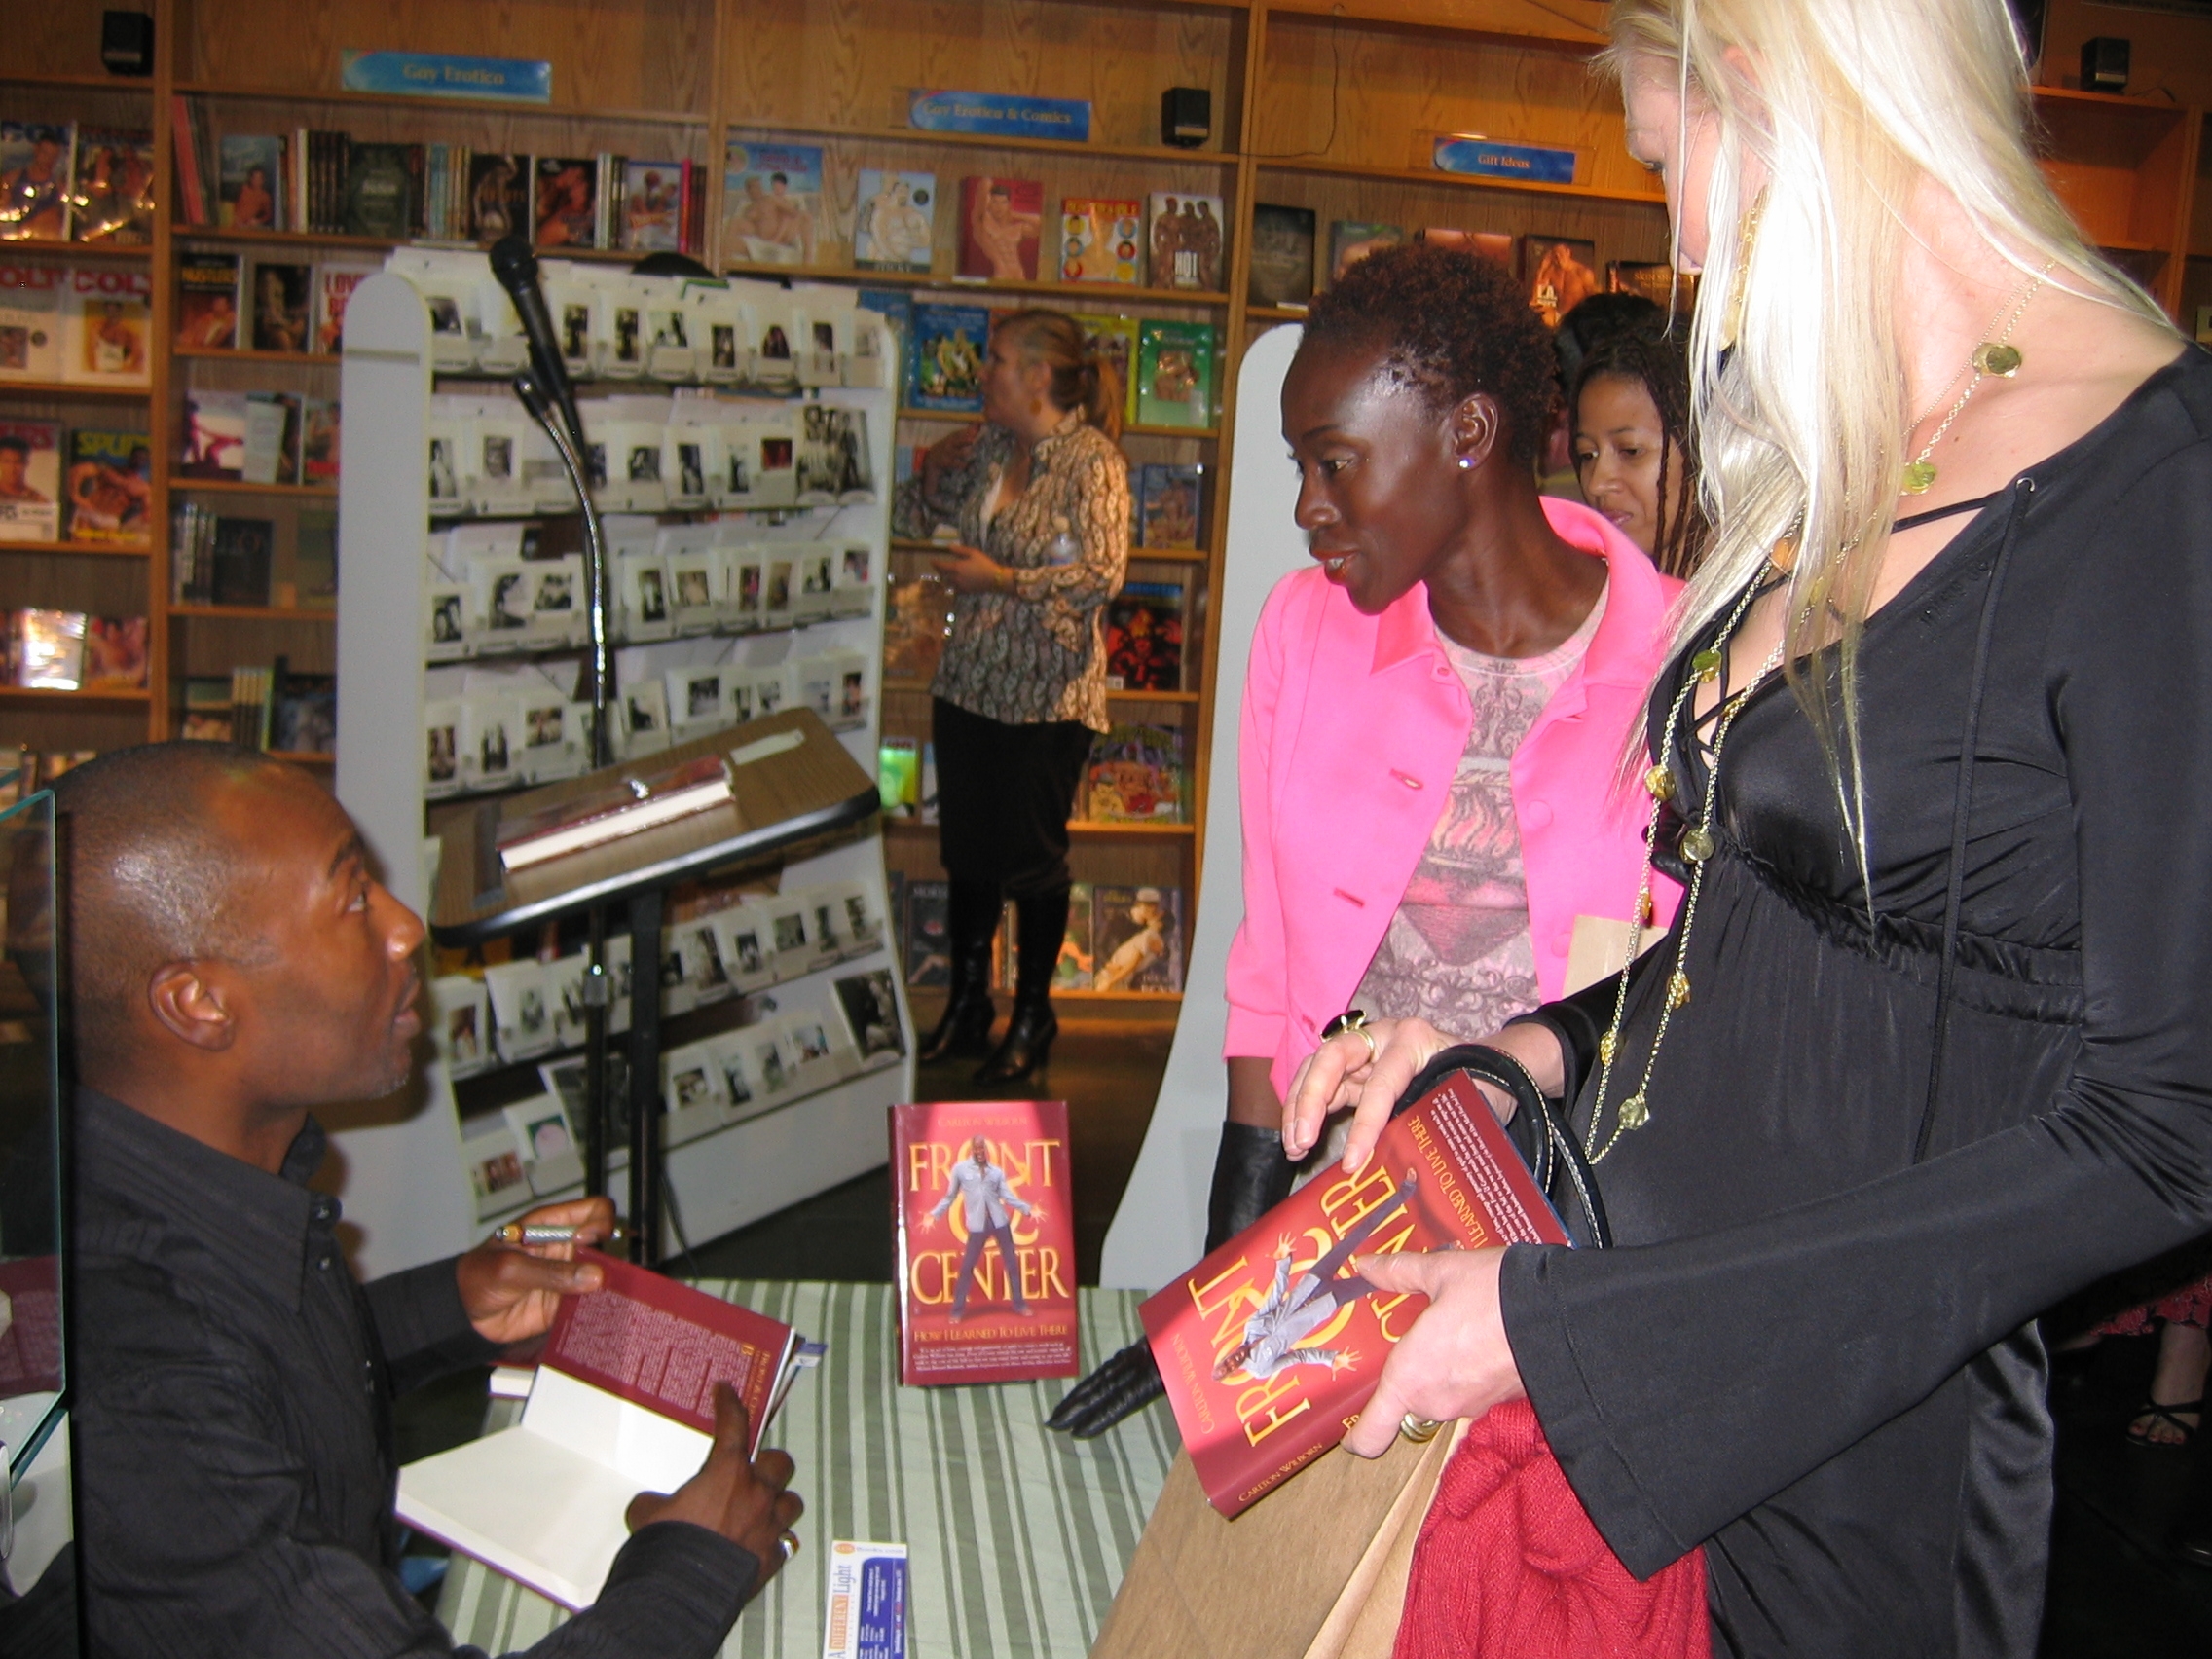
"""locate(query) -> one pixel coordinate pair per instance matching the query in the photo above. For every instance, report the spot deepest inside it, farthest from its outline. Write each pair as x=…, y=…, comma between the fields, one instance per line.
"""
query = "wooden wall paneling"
x=2115, y=165
x=56, y=37
x=2171, y=60
x=609, y=55
x=215, y=644
x=118, y=104
x=66, y=723
x=98, y=584
x=850, y=62
x=1578, y=22
x=1371, y=96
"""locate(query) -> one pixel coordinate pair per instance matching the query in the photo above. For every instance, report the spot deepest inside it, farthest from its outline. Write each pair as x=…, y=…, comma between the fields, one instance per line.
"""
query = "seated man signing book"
x=234, y=964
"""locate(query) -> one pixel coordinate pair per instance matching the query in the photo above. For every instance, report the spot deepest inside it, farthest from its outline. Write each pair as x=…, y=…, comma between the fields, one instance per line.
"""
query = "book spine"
x=210, y=167
x=179, y=536
x=184, y=161
x=302, y=220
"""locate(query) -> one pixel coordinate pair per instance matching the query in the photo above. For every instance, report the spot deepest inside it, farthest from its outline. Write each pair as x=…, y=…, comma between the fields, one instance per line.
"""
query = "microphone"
x=516, y=269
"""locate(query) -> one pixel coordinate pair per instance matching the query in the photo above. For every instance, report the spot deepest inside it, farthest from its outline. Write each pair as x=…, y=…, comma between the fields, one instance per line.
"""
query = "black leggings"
x=1003, y=794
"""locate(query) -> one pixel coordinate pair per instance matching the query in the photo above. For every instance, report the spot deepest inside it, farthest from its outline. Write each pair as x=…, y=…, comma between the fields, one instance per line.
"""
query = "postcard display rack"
x=726, y=1163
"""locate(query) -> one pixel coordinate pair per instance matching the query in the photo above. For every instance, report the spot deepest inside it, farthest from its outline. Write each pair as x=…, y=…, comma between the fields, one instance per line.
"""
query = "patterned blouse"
x=1039, y=652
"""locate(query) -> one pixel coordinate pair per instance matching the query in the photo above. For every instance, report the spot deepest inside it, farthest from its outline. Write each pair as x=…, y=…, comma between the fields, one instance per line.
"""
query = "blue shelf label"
x=1002, y=115
x=1487, y=158
x=440, y=75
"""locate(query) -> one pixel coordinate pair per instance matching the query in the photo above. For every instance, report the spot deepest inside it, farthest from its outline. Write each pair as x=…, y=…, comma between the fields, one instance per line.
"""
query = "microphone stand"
x=645, y=939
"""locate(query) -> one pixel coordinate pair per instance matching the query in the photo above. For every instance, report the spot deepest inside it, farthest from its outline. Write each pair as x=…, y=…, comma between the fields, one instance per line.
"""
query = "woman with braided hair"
x=1634, y=453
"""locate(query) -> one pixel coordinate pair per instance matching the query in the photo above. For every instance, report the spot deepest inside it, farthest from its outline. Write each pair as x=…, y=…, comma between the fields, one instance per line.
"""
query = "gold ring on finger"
x=1419, y=1430
x=1353, y=1019
x=789, y=1543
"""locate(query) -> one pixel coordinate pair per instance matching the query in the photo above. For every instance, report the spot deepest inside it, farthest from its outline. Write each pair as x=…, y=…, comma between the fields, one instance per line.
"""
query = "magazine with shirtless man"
x=1272, y=1344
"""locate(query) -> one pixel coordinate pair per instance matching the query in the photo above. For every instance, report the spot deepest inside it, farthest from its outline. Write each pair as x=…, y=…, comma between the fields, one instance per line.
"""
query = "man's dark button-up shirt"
x=232, y=1386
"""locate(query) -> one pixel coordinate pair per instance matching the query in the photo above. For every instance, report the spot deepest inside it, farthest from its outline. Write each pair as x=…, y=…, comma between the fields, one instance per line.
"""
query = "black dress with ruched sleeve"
x=1812, y=1349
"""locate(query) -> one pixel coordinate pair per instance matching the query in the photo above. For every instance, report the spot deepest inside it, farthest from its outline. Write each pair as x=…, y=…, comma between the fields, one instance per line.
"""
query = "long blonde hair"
x=1803, y=426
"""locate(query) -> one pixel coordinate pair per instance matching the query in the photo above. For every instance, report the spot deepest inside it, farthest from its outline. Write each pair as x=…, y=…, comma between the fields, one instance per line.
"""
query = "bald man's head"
x=151, y=877
x=232, y=954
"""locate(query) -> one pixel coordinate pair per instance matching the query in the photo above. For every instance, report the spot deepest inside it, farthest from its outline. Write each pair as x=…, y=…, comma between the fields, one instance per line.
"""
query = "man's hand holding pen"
x=512, y=1291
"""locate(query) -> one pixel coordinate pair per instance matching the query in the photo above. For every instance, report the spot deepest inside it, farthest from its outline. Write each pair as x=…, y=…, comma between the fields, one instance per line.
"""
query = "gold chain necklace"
x=1697, y=847
x=1998, y=357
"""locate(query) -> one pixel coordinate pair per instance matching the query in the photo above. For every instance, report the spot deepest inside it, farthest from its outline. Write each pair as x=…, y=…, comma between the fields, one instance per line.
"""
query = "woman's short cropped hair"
x=1451, y=324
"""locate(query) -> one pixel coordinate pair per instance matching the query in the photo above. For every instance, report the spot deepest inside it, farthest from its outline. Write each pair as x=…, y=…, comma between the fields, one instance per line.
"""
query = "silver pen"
x=518, y=1233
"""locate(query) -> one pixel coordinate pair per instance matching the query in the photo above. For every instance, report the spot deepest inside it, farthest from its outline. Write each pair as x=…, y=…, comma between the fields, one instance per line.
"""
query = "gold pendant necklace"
x=1698, y=845
x=1998, y=357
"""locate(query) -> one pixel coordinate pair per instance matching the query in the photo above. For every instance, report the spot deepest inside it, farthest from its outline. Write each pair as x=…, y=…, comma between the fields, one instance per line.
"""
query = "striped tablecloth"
x=1016, y=1537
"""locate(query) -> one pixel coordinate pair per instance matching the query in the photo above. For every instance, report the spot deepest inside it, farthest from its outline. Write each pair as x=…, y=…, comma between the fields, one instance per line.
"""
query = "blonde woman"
x=1927, y=1046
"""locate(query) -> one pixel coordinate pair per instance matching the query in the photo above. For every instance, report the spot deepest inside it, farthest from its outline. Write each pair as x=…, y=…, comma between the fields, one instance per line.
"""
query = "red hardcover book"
x=184, y=141
x=663, y=1345
x=986, y=1241
x=1271, y=1346
x=622, y=1401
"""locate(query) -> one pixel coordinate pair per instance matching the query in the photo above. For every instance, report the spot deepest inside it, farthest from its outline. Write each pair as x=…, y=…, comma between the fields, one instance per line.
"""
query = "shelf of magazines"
x=738, y=433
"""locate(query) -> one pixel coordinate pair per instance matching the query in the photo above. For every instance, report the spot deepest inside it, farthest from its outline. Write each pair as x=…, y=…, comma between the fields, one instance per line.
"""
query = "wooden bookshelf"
x=55, y=694
x=78, y=549
x=257, y=612
x=71, y=391
x=244, y=354
x=100, y=578
x=240, y=487
x=1321, y=104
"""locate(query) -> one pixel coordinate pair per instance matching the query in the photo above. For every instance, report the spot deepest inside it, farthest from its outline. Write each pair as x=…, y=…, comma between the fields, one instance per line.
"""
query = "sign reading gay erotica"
x=1003, y=115
x=441, y=75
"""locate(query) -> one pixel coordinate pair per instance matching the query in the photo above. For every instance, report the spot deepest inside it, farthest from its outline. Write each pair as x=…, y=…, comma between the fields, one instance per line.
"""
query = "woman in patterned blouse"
x=1040, y=494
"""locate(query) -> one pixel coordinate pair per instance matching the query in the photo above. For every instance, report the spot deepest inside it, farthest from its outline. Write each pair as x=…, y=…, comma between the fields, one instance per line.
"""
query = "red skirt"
x=2190, y=1305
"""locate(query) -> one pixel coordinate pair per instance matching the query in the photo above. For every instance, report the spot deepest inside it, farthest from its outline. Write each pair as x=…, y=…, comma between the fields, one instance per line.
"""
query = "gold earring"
x=1747, y=232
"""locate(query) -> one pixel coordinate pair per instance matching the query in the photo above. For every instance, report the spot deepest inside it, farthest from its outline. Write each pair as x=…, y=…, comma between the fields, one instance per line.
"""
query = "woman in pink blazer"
x=1431, y=759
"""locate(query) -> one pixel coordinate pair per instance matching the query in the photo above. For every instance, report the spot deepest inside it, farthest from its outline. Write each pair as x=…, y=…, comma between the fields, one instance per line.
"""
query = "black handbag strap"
x=1539, y=1129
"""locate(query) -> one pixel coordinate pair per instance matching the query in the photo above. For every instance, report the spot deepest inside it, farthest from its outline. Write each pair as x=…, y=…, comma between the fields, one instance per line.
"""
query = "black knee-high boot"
x=1043, y=924
x=971, y=918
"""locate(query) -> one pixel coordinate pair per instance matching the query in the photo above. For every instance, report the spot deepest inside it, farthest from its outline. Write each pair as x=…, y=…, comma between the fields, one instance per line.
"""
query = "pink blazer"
x=1352, y=729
